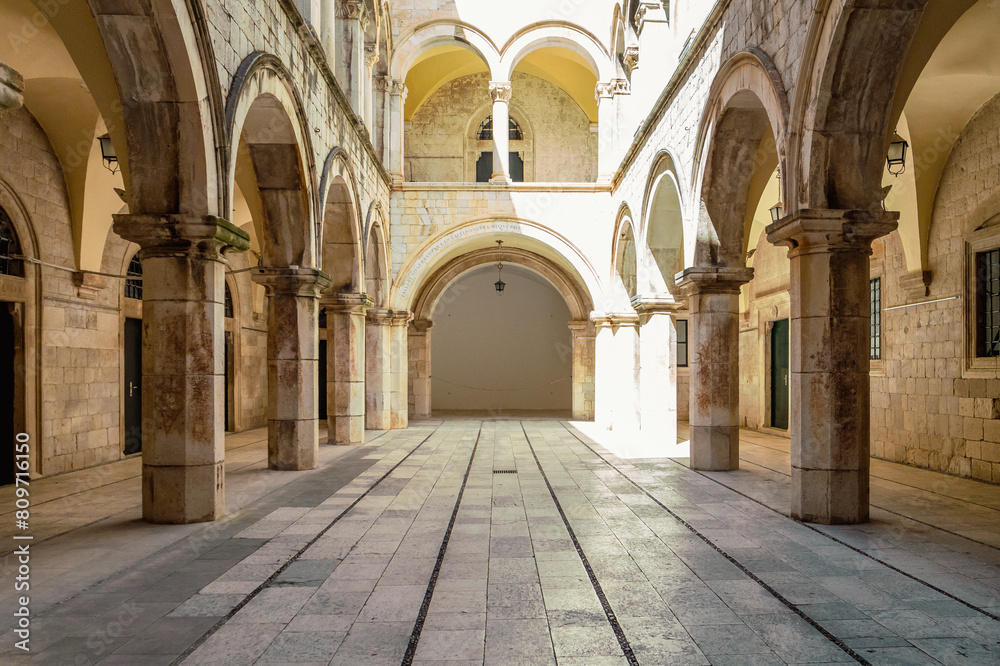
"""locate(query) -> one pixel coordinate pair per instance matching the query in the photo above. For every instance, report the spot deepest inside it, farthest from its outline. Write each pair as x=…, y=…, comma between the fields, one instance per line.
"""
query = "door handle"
x=131, y=388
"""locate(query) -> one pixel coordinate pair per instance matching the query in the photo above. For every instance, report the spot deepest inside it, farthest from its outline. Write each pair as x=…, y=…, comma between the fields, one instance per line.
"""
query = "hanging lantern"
x=499, y=284
x=108, y=153
x=896, y=159
x=777, y=212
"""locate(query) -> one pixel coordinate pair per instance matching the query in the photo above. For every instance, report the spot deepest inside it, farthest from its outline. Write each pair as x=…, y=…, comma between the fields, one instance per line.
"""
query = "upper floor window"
x=875, y=334
x=682, y=343
x=133, y=286
x=228, y=303
x=10, y=247
x=486, y=130
x=988, y=303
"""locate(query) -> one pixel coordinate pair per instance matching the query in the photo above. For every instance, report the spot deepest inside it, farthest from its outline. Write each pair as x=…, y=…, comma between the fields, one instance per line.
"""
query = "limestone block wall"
x=75, y=340
x=927, y=409
x=441, y=141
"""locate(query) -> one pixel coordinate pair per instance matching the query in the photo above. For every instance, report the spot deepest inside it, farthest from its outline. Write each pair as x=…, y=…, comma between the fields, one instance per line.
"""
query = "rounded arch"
x=741, y=140
x=376, y=259
x=661, y=234
x=482, y=233
x=577, y=299
x=341, y=234
x=444, y=32
x=270, y=151
x=624, y=261
x=559, y=34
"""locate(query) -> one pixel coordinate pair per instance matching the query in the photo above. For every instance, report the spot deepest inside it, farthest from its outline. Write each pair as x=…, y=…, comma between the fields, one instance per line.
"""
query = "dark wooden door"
x=779, y=374
x=7, y=395
x=133, y=386
x=229, y=379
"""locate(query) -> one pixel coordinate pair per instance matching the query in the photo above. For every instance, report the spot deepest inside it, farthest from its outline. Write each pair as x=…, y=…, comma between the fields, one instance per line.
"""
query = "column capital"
x=500, y=91
x=351, y=10
x=581, y=328
x=713, y=279
x=630, y=58
x=656, y=303
x=379, y=316
x=825, y=230
x=172, y=235
x=421, y=325
x=292, y=280
x=371, y=54
x=11, y=89
x=603, y=90
x=401, y=317
x=614, y=320
x=347, y=303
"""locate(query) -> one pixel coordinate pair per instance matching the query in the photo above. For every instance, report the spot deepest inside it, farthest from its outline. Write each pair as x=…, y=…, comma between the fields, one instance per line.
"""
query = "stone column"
x=399, y=414
x=378, y=369
x=418, y=342
x=292, y=364
x=11, y=89
x=616, y=371
x=368, y=87
x=500, y=92
x=395, y=140
x=583, y=369
x=183, y=374
x=829, y=252
x=657, y=369
x=714, y=359
x=345, y=370
x=352, y=18
x=606, y=117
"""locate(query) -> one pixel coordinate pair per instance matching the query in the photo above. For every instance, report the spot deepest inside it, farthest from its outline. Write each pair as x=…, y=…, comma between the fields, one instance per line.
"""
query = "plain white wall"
x=520, y=340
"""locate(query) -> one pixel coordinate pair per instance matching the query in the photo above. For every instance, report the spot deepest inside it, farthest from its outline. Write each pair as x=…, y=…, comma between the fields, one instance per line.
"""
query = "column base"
x=830, y=497
x=346, y=430
x=715, y=448
x=292, y=445
x=183, y=494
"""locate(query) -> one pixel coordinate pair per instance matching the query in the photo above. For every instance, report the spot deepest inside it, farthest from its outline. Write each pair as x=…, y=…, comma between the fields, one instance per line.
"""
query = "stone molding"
x=371, y=55
x=630, y=58
x=649, y=12
x=349, y=303
x=713, y=279
x=11, y=89
x=401, y=317
x=88, y=285
x=208, y=237
x=379, y=316
x=615, y=320
x=603, y=91
x=500, y=91
x=292, y=280
x=420, y=326
x=656, y=303
x=823, y=230
x=916, y=284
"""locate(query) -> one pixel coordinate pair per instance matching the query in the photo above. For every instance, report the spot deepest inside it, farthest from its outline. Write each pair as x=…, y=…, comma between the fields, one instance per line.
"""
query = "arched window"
x=133, y=283
x=486, y=130
x=10, y=246
x=229, y=303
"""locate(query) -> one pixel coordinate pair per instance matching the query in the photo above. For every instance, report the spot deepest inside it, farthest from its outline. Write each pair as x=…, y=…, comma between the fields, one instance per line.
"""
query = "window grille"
x=988, y=302
x=9, y=247
x=229, y=303
x=486, y=130
x=682, y=343
x=133, y=287
x=875, y=332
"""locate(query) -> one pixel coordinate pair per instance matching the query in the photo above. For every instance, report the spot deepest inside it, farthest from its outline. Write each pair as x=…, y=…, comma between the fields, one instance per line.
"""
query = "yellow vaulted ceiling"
x=567, y=70
x=436, y=68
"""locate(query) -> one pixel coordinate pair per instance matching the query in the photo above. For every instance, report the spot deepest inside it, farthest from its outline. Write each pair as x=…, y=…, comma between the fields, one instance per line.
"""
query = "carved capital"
x=630, y=59
x=353, y=10
x=401, y=317
x=292, y=280
x=371, y=55
x=603, y=91
x=379, y=316
x=713, y=279
x=420, y=326
x=399, y=88
x=650, y=12
x=621, y=87
x=822, y=230
x=500, y=91
x=11, y=89
x=346, y=303
x=206, y=237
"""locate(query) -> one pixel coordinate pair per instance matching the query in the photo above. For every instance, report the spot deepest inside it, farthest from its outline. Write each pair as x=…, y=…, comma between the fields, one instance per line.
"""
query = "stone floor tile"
x=451, y=644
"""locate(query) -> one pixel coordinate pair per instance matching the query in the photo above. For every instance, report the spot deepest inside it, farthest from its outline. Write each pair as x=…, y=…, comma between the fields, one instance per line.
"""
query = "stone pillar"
x=606, y=118
x=352, y=18
x=292, y=364
x=657, y=369
x=395, y=141
x=616, y=371
x=378, y=369
x=500, y=92
x=368, y=87
x=829, y=252
x=418, y=342
x=11, y=89
x=583, y=369
x=714, y=359
x=183, y=374
x=400, y=413
x=345, y=370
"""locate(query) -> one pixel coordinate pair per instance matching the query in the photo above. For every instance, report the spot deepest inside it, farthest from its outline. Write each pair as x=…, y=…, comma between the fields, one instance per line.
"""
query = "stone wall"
x=442, y=146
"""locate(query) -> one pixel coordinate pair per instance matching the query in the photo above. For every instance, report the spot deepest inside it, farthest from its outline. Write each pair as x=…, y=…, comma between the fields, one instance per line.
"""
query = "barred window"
x=988, y=303
x=133, y=283
x=682, y=343
x=229, y=303
x=322, y=317
x=875, y=338
x=486, y=130
x=10, y=246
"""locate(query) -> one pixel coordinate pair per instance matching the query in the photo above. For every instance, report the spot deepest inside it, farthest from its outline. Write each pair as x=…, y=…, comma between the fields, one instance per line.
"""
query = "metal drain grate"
x=505, y=471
